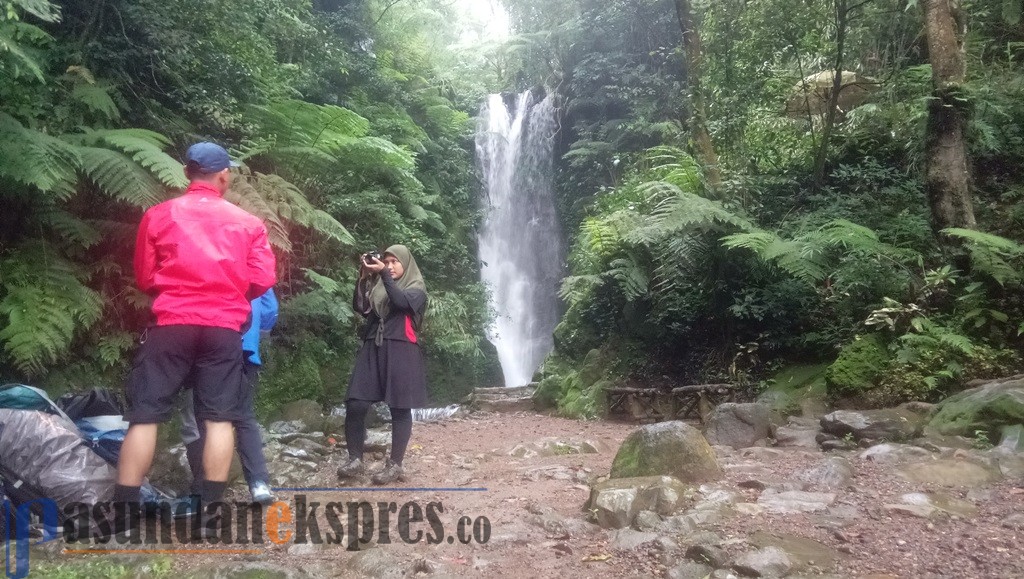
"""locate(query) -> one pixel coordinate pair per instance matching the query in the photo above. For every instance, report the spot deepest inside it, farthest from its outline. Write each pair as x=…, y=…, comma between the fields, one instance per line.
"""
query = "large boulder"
x=308, y=411
x=892, y=424
x=857, y=368
x=667, y=448
x=738, y=425
x=986, y=408
x=616, y=502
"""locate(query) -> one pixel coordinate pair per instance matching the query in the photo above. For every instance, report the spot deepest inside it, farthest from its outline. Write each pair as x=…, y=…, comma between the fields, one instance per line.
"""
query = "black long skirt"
x=393, y=372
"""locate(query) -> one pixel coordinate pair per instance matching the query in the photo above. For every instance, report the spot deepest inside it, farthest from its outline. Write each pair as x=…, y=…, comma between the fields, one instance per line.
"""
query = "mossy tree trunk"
x=947, y=172
x=702, y=143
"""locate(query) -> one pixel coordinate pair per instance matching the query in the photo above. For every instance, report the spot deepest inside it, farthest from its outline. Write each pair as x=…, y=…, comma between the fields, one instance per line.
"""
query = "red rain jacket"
x=202, y=259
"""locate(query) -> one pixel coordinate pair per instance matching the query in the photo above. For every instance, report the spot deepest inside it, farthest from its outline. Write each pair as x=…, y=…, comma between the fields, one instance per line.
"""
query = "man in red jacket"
x=201, y=259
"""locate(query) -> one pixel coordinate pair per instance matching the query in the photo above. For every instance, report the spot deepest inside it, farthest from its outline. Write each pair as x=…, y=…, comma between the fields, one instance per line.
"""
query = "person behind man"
x=201, y=259
x=249, y=441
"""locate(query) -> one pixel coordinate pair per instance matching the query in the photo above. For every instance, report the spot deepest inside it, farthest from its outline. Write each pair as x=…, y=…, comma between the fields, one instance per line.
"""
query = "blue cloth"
x=264, y=316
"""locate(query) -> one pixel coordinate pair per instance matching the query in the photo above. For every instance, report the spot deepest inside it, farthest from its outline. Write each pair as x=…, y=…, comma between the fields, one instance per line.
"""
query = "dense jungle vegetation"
x=745, y=184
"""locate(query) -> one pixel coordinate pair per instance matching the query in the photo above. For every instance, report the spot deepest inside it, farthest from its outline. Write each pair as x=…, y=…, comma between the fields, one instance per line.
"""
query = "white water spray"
x=520, y=243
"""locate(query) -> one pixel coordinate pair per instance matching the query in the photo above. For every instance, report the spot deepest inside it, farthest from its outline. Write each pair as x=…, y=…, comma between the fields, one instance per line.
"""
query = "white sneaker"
x=260, y=492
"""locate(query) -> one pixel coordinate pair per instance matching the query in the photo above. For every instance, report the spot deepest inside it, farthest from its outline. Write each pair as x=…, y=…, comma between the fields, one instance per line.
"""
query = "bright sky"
x=487, y=21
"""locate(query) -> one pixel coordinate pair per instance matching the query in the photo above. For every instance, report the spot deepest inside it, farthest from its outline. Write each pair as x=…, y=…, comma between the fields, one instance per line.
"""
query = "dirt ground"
x=534, y=507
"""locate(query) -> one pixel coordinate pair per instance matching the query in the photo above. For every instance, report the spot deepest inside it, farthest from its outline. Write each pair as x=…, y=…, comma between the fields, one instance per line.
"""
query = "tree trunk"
x=947, y=173
x=821, y=155
x=703, y=146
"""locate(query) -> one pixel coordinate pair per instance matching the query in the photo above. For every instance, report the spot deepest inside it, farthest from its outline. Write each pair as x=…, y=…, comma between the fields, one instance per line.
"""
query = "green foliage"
x=45, y=305
x=858, y=366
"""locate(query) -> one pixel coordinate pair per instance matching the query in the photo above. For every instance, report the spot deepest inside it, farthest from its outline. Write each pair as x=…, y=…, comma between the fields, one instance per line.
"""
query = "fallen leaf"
x=596, y=558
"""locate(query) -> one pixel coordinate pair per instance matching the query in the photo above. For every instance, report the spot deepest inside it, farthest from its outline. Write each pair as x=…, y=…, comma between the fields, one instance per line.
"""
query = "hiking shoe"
x=352, y=468
x=392, y=472
x=185, y=507
x=260, y=492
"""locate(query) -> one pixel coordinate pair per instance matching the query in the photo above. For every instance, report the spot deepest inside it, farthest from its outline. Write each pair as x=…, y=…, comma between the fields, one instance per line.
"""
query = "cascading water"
x=520, y=243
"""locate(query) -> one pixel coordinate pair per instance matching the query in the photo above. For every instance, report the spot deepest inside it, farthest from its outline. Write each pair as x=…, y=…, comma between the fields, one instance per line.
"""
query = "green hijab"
x=411, y=279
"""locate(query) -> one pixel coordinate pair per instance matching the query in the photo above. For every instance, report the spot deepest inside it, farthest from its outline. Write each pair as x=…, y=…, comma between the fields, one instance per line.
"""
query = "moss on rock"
x=987, y=408
x=858, y=367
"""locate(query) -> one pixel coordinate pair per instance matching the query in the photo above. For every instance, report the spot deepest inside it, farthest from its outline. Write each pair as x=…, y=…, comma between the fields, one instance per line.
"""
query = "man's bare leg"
x=218, y=450
x=136, y=454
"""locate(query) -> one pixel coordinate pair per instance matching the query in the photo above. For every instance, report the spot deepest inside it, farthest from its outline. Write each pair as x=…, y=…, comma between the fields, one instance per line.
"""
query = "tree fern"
x=678, y=211
x=116, y=175
x=326, y=299
x=276, y=201
x=46, y=305
x=36, y=159
x=145, y=148
x=991, y=254
x=17, y=59
x=96, y=98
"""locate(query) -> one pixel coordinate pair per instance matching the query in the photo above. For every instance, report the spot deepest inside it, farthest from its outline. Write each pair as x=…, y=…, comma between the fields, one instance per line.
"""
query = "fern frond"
x=97, y=99
x=677, y=211
x=44, y=10
x=71, y=227
x=45, y=305
x=147, y=149
x=992, y=254
x=24, y=59
x=632, y=278
x=118, y=176
x=34, y=158
x=994, y=242
x=322, y=281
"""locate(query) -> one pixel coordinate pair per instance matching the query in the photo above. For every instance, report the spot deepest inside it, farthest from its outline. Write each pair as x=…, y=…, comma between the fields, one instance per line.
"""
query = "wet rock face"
x=615, y=503
x=988, y=407
x=738, y=425
x=889, y=424
x=672, y=448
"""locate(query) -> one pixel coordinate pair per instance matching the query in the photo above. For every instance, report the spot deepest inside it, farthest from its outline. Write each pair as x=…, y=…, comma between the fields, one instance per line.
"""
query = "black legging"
x=355, y=429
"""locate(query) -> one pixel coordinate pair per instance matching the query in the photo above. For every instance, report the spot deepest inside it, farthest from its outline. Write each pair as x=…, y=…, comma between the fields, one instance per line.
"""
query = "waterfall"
x=520, y=242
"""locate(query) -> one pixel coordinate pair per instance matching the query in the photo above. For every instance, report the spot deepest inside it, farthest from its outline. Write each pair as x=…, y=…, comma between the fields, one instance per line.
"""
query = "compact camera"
x=371, y=255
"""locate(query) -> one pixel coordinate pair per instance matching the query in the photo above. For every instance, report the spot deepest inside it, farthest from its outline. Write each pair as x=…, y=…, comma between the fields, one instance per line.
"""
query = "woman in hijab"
x=389, y=366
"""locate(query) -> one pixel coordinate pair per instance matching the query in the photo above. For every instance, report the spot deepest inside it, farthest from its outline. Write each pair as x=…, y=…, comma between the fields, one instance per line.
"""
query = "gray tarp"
x=47, y=454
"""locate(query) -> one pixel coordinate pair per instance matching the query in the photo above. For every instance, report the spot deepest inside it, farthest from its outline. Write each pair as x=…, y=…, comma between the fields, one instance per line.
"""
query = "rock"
x=556, y=447
x=708, y=554
x=766, y=562
x=688, y=570
x=887, y=424
x=789, y=502
x=309, y=446
x=1012, y=439
x=308, y=411
x=1012, y=465
x=940, y=502
x=616, y=502
x=668, y=448
x=831, y=474
x=947, y=472
x=988, y=408
x=919, y=511
x=1014, y=522
x=893, y=453
x=803, y=552
x=377, y=441
x=287, y=427
x=503, y=399
x=794, y=436
x=737, y=425
x=723, y=574
x=628, y=539
x=647, y=521
x=556, y=524
x=334, y=425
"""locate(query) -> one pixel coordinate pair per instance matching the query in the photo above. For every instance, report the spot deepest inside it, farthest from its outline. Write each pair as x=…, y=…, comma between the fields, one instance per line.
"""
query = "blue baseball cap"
x=209, y=158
